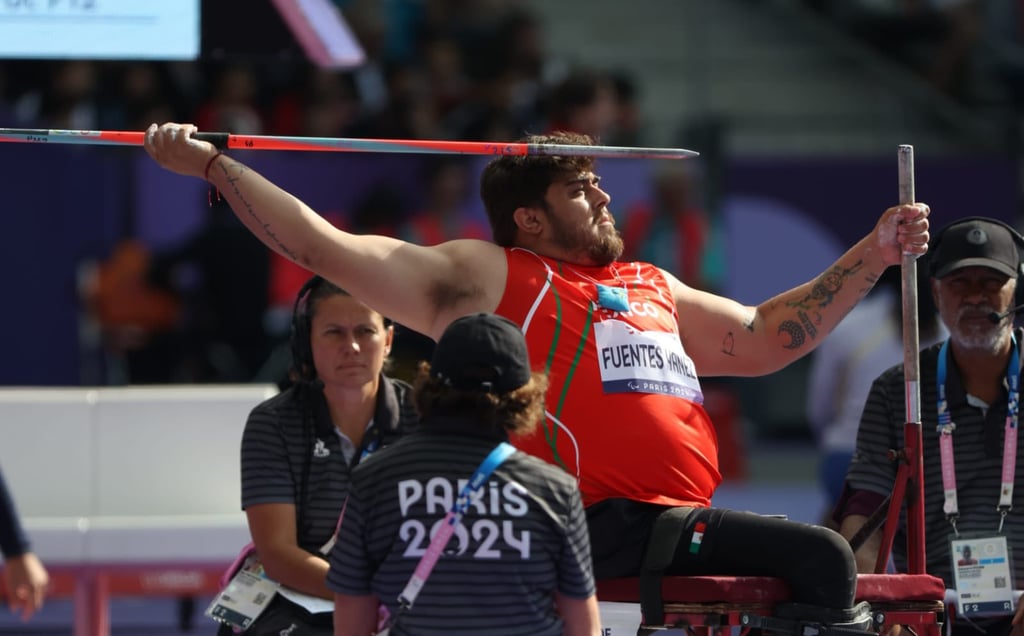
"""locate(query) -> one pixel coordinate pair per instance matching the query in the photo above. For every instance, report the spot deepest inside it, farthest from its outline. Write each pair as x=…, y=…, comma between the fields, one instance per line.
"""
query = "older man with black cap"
x=970, y=392
x=451, y=529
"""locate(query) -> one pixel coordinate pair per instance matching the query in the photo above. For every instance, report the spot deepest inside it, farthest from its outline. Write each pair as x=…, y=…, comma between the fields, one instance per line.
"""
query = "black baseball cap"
x=975, y=242
x=482, y=352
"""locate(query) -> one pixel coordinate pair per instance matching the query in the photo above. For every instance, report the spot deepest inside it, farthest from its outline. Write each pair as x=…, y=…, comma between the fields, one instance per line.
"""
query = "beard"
x=599, y=250
x=979, y=335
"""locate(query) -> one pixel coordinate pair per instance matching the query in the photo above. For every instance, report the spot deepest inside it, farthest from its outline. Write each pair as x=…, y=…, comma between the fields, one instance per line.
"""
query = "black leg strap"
x=661, y=549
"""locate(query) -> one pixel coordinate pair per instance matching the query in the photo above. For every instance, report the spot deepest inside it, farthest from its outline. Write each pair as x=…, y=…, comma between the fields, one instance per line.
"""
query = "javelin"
x=339, y=144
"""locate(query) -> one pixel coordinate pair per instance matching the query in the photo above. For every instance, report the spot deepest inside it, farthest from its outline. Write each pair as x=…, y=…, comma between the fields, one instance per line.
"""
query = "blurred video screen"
x=100, y=29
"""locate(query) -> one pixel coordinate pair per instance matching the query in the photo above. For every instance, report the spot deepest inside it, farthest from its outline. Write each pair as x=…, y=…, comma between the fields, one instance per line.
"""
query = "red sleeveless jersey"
x=623, y=407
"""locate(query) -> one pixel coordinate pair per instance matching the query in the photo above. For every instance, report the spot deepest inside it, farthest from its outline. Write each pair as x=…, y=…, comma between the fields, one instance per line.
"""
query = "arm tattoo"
x=823, y=292
x=749, y=325
x=808, y=325
x=728, y=344
x=250, y=211
x=799, y=331
x=795, y=331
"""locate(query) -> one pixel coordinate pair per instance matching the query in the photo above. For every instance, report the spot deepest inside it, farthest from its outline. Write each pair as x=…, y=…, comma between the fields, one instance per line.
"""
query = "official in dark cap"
x=519, y=562
x=975, y=242
x=481, y=371
x=970, y=396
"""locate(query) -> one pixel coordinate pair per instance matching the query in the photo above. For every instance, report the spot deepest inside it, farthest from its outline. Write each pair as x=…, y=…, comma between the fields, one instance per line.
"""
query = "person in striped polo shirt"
x=299, y=448
x=519, y=561
x=972, y=379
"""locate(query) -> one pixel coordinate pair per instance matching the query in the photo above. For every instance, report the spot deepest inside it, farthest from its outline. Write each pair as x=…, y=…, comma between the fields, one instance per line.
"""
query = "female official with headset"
x=298, y=449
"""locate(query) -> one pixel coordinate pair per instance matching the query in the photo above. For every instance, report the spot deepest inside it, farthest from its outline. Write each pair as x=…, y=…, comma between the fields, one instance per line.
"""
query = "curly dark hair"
x=516, y=412
x=511, y=182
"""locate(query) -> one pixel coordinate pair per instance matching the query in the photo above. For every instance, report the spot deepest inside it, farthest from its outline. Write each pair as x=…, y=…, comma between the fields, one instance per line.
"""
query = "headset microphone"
x=997, y=317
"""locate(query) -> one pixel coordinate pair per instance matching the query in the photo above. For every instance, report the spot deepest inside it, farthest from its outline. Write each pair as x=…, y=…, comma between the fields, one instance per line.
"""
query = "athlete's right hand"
x=172, y=146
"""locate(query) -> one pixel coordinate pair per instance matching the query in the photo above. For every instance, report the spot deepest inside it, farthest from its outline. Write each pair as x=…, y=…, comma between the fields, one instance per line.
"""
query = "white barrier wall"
x=108, y=476
x=128, y=473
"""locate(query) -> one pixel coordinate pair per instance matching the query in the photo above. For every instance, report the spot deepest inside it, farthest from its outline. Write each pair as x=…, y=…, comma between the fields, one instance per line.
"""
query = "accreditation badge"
x=983, y=574
x=241, y=602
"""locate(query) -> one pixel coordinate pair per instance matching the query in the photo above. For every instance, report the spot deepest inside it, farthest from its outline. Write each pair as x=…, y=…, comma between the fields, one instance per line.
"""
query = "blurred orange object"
x=120, y=297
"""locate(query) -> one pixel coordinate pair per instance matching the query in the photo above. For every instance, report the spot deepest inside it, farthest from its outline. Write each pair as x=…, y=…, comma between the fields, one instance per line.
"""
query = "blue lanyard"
x=412, y=589
x=946, y=426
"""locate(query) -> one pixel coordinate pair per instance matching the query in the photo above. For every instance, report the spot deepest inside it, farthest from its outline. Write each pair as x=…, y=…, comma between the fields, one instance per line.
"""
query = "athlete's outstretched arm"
x=725, y=337
x=421, y=287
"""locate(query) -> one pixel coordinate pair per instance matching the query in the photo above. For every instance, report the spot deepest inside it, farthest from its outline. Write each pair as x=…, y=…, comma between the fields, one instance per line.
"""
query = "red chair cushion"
x=892, y=588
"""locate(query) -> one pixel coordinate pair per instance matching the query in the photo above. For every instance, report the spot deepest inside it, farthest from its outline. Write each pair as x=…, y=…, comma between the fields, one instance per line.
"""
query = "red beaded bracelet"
x=209, y=164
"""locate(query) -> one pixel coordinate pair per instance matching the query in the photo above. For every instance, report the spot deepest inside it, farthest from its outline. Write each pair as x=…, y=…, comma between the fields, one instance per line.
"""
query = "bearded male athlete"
x=623, y=343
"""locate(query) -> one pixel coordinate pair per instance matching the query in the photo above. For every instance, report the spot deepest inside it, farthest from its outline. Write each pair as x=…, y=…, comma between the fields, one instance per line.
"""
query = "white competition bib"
x=636, y=361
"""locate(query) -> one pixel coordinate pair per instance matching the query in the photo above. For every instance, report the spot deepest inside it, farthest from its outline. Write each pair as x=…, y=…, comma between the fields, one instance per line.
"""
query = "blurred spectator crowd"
x=435, y=69
x=970, y=50
x=216, y=308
